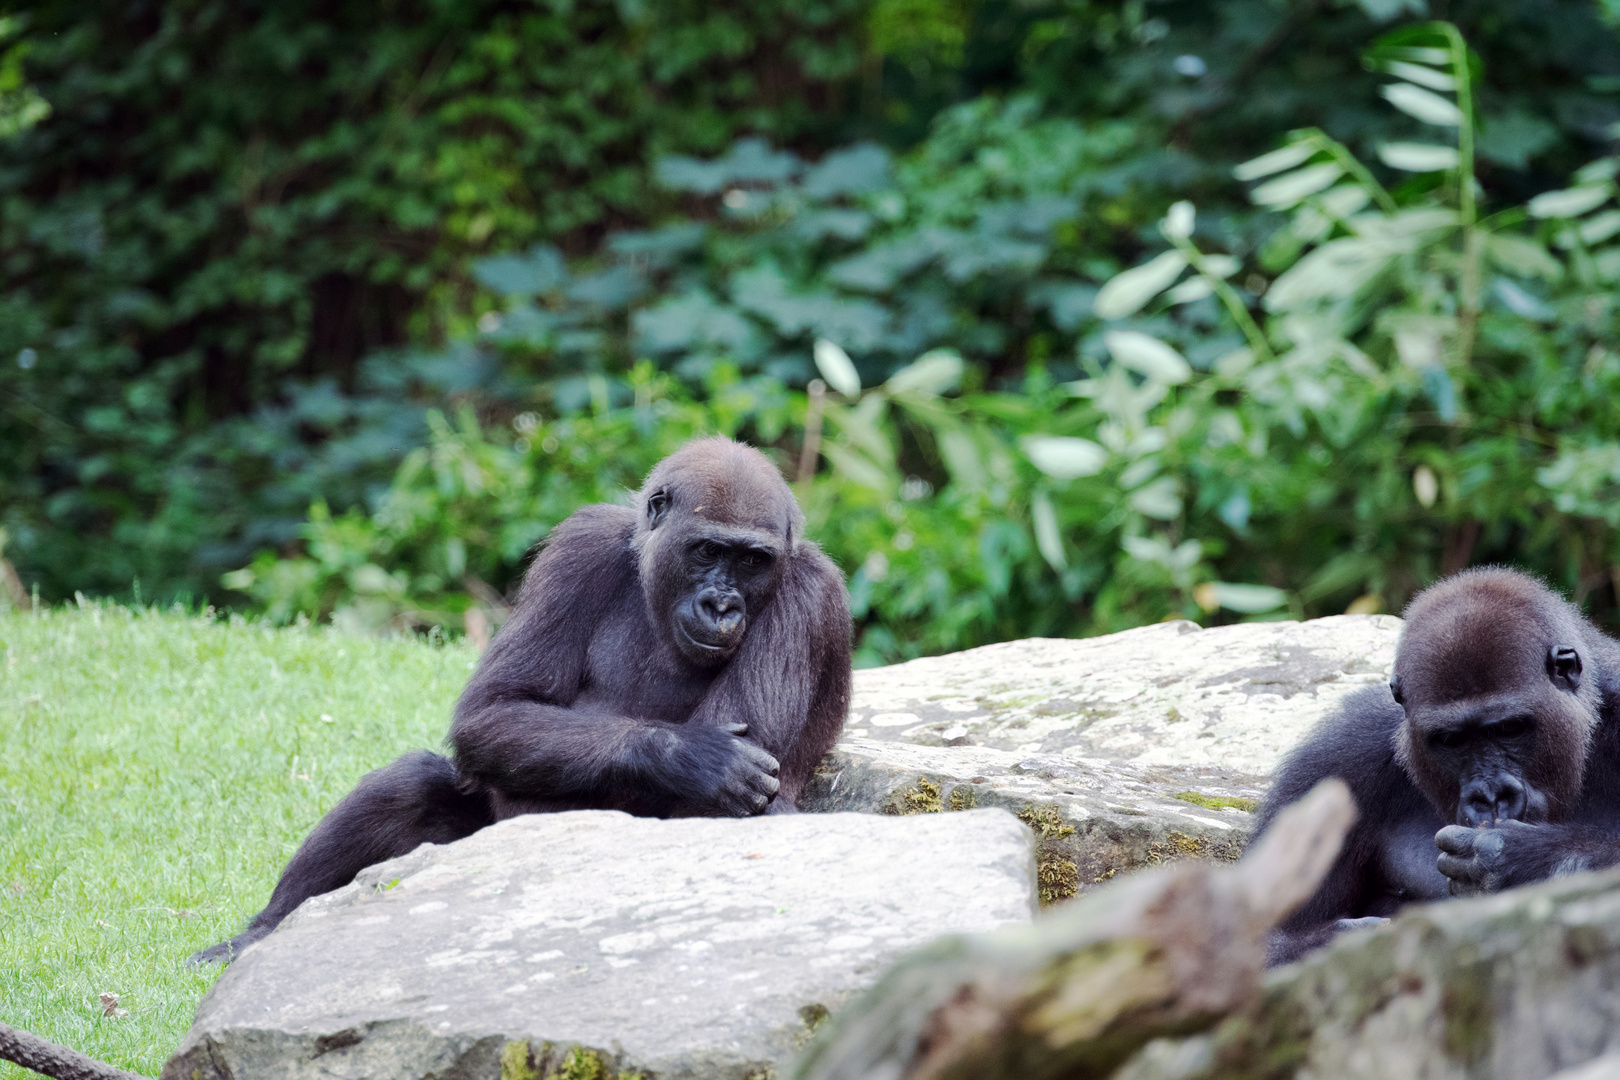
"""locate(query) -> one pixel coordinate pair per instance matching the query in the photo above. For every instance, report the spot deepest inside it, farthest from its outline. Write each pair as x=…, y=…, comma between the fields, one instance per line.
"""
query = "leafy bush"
x=1398, y=384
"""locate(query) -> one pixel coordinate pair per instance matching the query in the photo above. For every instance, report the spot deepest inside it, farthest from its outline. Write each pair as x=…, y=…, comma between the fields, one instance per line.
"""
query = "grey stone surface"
x=1092, y=741
x=694, y=948
x=1523, y=985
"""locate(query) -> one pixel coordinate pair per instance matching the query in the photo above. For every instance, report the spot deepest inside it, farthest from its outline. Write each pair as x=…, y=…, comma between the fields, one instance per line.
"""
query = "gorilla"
x=1492, y=759
x=687, y=656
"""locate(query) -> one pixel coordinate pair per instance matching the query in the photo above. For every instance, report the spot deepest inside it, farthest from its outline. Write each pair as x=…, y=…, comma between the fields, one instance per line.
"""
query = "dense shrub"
x=1398, y=383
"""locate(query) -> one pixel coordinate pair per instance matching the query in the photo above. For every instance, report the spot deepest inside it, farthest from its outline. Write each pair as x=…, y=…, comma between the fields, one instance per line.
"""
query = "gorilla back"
x=1492, y=759
x=687, y=655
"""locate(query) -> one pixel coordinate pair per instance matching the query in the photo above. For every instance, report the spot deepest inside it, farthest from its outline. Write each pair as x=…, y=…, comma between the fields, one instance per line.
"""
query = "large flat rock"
x=1522, y=985
x=592, y=940
x=1120, y=751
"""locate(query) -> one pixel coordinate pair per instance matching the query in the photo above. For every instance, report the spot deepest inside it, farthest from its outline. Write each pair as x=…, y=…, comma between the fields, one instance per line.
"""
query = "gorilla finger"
x=767, y=785
x=1458, y=869
x=1456, y=839
x=763, y=760
x=737, y=729
x=760, y=803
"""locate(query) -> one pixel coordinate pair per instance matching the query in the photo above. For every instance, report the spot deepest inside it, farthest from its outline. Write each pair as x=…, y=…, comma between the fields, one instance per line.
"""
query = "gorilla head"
x=1498, y=718
x=715, y=525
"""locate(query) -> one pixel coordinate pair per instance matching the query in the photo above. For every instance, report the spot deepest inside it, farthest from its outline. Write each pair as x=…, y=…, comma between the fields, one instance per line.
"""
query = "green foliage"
x=237, y=279
x=1397, y=386
x=234, y=205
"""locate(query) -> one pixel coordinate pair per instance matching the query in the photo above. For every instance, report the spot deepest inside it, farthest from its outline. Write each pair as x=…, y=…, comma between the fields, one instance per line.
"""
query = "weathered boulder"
x=1518, y=986
x=595, y=944
x=1120, y=751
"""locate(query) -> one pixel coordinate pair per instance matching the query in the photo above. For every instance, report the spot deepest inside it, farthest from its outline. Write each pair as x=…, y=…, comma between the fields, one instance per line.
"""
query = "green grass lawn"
x=156, y=772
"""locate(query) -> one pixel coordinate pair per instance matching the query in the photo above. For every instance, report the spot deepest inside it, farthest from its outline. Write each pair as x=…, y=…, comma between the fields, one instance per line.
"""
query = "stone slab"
x=692, y=948
x=1523, y=985
x=1121, y=751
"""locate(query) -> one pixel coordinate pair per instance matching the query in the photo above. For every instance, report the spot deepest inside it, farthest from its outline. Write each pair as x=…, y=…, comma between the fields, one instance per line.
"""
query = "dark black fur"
x=687, y=656
x=1498, y=765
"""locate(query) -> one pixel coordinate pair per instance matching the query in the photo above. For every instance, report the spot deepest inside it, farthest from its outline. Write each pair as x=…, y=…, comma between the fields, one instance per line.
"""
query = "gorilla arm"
x=521, y=731
x=790, y=680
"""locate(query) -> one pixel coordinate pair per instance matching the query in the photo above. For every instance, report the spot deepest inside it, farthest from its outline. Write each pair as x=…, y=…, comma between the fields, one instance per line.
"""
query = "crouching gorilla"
x=689, y=656
x=1492, y=759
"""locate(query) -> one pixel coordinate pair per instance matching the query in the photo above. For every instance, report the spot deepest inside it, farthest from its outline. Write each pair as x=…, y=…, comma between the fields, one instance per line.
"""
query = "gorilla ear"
x=1564, y=665
x=657, y=507
x=1395, y=689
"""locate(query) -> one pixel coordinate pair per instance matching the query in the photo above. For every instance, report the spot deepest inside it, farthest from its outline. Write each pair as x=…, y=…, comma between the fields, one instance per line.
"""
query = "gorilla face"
x=1498, y=721
x=705, y=577
x=710, y=617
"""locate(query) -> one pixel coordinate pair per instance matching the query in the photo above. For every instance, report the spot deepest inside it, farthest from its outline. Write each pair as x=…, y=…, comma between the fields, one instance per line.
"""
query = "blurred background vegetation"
x=332, y=310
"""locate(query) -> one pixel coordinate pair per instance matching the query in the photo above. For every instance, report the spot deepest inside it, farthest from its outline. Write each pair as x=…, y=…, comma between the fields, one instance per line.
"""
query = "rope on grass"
x=49, y=1059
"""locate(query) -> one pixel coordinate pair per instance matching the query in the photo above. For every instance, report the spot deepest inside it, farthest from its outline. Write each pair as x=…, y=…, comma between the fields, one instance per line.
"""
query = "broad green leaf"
x=1421, y=74
x=1178, y=222
x=1344, y=200
x=1595, y=172
x=1065, y=457
x=1289, y=189
x=1275, y=162
x=1161, y=499
x=1570, y=202
x=1192, y=289
x=1522, y=303
x=1125, y=293
x=1147, y=355
x=934, y=372
x=1047, y=536
x=1523, y=256
x=1418, y=157
x=1599, y=227
x=1422, y=104
x=837, y=368
x=1248, y=599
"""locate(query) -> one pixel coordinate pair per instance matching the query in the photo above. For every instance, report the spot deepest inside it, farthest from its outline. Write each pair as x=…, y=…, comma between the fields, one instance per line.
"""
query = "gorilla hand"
x=1479, y=861
x=731, y=775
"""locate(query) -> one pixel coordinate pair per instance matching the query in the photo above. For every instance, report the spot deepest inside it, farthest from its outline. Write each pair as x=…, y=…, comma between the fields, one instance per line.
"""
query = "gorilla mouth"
x=706, y=647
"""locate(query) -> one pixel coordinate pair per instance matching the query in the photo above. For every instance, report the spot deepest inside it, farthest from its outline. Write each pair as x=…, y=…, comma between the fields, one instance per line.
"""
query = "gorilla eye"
x=1513, y=728
x=1449, y=740
x=709, y=550
x=755, y=560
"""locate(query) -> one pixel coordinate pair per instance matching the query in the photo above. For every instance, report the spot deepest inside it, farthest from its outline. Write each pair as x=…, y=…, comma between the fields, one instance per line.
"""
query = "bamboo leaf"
x=1147, y=355
x=1421, y=74
x=837, y=368
x=1064, y=457
x=1418, y=157
x=932, y=373
x=1178, y=222
x=1047, y=536
x=1523, y=256
x=1275, y=162
x=1249, y=599
x=1570, y=202
x=1287, y=190
x=1422, y=104
x=1125, y=293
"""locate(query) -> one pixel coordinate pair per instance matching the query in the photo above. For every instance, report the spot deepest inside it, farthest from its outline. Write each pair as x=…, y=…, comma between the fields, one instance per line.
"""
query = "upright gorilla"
x=1492, y=759
x=688, y=656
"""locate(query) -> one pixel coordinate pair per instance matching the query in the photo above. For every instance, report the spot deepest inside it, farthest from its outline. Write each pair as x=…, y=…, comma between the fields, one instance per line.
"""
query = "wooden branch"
x=49, y=1059
x=1074, y=994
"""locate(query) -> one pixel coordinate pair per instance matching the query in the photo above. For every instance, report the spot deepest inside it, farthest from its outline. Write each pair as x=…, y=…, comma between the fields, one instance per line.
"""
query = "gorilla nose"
x=1486, y=801
x=722, y=609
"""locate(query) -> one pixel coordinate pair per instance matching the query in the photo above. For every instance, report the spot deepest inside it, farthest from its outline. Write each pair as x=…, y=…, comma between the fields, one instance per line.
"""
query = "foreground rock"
x=1074, y=996
x=603, y=945
x=1519, y=986
x=1121, y=751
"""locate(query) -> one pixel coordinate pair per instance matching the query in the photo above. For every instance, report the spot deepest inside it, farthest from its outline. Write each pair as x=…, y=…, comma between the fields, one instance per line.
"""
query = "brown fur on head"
x=711, y=492
x=1475, y=651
